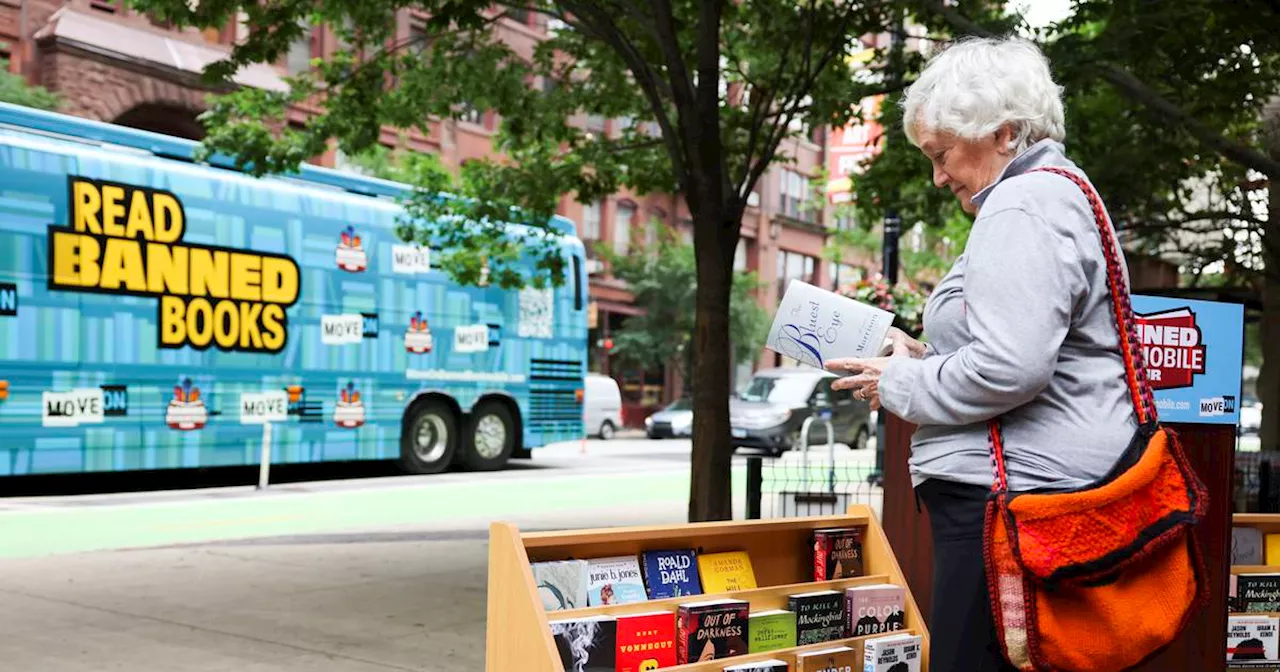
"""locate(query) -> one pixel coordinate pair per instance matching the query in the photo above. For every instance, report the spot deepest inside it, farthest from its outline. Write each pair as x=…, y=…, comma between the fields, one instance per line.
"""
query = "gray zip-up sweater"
x=1019, y=326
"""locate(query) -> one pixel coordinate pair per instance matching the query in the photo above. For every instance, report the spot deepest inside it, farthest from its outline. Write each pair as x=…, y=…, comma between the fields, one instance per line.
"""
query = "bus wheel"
x=491, y=437
x=429, y=438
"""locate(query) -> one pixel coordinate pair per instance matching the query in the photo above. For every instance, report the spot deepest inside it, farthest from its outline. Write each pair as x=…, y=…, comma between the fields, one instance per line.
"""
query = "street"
x=371, y=574
x=357, y=575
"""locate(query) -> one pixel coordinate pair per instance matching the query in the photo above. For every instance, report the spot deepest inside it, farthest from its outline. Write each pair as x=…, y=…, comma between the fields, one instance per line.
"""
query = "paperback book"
x=875, y=609
x=671, y=574
x=835, y=659
x=587, y=644
x=1258, y=592
x=895, y=653
x=1252, y=638
x=1246, y=546
x=723, y=572
x=772, y=630
x=711, y=630
x=646, y=641
x=615, y=580
x=837, y=553
x=562, y=584
x=813, y=325
x=819, y=616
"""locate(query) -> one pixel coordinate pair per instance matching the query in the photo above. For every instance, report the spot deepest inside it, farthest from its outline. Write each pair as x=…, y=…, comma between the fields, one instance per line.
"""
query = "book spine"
x=821, y=547
x=869, y=657
x=682, y=637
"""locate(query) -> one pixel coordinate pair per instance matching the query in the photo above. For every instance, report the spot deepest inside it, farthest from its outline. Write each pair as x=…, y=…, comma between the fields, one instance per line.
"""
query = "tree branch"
x=602, y=27
x=1137, y=91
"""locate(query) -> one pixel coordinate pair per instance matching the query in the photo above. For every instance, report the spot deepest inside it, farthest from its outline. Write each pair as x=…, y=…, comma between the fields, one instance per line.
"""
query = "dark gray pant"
x=962, y=635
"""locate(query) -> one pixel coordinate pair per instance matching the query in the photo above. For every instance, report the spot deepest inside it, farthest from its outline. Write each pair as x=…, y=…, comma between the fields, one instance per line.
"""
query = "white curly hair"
x=977, y=85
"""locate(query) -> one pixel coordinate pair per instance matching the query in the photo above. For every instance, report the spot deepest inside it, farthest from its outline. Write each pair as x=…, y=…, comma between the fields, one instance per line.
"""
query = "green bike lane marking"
x=37, y=532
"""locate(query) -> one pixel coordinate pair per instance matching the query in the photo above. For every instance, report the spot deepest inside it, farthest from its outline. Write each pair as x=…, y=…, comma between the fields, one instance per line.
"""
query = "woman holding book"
x=1020, y=328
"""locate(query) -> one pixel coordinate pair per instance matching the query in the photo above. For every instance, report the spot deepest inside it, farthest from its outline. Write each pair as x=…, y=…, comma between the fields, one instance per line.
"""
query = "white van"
x=601, y=406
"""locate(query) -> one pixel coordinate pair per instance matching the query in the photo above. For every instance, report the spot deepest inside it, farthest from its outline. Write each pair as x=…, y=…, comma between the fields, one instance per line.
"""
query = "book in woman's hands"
x=813, y=325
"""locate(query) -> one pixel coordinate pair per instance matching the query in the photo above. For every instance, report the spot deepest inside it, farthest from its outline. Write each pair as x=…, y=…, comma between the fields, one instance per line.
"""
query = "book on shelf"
x=835, y=659
x=1246, y=546
x=646, y=641
x=875, y=609
x=1258, y=592
x=587, y=644
x=711, y=630
x=894, y=653
x=771, y=665
x=725, y=572
x=1252, y=638
x=614, y=580
x=671, y=573
x=819, y=616
x=771, y=630
x=1272, y=554
x=837, y=553
x=562, y=584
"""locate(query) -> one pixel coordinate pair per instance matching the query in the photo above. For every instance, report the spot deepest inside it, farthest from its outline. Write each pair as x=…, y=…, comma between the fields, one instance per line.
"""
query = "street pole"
x=889, y=264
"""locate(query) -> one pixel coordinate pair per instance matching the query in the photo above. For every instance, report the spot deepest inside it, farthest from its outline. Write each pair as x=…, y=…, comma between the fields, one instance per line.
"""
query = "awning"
x=99, y=35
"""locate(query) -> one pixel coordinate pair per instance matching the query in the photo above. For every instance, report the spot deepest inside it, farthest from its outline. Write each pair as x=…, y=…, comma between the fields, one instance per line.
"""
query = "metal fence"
x=820, y=480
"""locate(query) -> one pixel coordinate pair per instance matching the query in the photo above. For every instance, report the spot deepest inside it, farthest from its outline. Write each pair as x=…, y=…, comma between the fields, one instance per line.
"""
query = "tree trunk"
x=1269, y=330
x=710, y=487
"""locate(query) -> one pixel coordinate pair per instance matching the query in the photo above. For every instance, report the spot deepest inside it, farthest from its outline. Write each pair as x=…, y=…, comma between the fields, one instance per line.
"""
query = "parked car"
x=674, y=420
x=601, y=406
x=769, y=413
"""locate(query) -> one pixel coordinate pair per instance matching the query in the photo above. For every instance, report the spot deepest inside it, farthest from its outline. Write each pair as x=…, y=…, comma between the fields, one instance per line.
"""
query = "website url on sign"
x=1171, y=405
x=464, y=376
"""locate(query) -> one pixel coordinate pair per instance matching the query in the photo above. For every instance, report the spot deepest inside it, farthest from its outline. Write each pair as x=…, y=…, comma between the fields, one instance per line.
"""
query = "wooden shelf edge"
x=658, y=532
x=787, y=654
x=1255, y=569
x=1245, y=519
x=1254, y=613
x=672, y=603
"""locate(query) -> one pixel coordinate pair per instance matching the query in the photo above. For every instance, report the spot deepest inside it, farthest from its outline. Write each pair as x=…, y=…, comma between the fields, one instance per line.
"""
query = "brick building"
x=112, y=64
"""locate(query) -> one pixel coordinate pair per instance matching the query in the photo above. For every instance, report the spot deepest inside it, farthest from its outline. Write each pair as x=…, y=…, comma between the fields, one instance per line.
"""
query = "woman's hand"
x=866, y=383
x=905, y=345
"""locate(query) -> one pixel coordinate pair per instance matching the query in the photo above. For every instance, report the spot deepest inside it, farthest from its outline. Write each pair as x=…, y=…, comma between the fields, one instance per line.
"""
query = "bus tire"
x=429, y=438
x=490, y=437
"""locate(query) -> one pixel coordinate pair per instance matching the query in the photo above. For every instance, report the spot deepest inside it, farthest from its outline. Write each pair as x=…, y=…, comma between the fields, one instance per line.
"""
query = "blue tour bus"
x=151, y=308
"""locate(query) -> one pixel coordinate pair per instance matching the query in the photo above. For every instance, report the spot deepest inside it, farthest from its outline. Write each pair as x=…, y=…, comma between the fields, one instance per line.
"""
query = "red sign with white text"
x=1173, y=347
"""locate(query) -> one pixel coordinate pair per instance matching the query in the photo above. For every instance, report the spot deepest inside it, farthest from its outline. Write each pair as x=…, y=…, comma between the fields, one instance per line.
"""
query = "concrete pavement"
x=361, y=575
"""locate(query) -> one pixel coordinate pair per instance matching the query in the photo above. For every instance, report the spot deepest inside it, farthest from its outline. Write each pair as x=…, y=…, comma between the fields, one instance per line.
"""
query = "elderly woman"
x=1019, y=328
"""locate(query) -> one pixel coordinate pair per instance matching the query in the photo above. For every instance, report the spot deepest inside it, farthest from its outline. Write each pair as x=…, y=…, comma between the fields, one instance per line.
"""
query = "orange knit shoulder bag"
x=1104, y=577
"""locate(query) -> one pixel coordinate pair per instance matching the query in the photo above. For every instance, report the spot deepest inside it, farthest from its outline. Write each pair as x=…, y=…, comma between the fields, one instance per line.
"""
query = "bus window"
x=577, y=282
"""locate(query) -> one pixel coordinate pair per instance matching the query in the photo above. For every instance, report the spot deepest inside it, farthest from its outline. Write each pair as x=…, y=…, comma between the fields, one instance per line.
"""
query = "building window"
x=419, y=39
x=793, y=195
x=657, y=220
x=591, y=221
x=846, y=222
x=519, y=15
x=741, y=256
x=622, y=227
x=109, y=6
x=844, y=274
x=793, y=265
x=686, y=230
x=470, y=114
x=298, y=60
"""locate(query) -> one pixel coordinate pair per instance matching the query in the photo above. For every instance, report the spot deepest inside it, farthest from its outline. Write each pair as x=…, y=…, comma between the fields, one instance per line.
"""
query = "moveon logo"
x=124, y=239
x=1172, y=346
